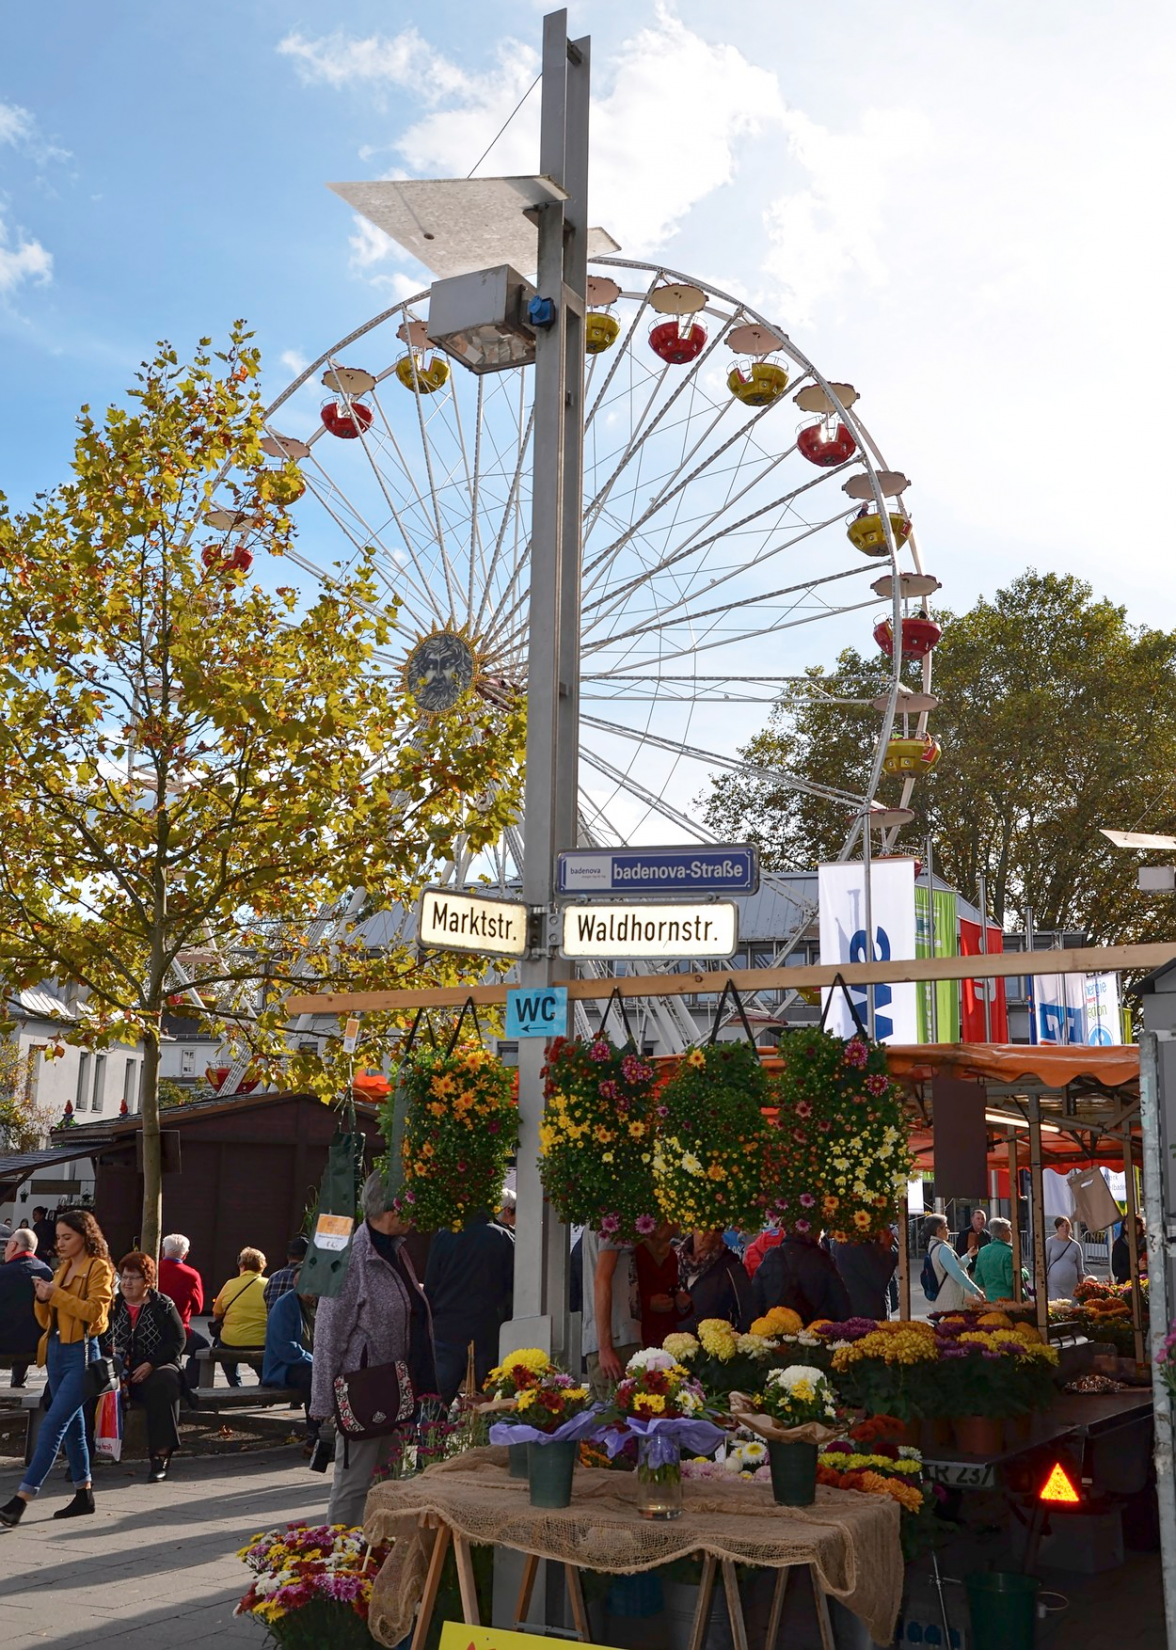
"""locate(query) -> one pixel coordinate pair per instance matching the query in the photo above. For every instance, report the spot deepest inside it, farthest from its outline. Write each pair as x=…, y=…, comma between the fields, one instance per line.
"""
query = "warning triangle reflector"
x=1059, y=1487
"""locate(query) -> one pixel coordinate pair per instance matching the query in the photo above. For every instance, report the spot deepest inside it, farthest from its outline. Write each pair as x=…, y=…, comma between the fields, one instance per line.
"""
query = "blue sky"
x=957, y=208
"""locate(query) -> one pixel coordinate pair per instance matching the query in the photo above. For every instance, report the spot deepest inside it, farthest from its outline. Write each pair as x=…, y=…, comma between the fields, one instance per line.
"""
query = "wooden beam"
x=1089, y=960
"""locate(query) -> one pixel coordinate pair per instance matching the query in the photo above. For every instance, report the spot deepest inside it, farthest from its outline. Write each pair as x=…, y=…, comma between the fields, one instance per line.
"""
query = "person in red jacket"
x=184, y=1287
x=755, y=1252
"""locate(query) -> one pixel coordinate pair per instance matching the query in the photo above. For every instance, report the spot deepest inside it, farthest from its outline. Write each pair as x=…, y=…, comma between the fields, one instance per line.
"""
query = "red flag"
x=974, y=991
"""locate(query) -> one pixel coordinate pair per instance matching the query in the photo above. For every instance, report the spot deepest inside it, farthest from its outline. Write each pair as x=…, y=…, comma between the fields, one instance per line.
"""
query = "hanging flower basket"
x=596, y=1138
x=460, y=1127
x=710, y=1156
x=839, y=1156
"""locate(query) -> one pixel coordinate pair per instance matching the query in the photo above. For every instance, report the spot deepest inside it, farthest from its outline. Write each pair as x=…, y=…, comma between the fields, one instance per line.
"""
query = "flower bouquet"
x=839, y=1154
x=870, y=1460
x=460, y=1129
x=551, y=1414
x=724, y=1360
x=795, y=1412
x=312, y=1586
x=518, y=1372
x=708, y=1162
x=662, y=1405
x=596, y=1137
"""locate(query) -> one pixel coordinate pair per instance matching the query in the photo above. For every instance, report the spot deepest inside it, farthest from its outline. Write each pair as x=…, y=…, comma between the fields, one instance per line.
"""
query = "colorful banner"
x=946, y=1027
x=1074, y=1008
x=842, y=894
x=975, y=992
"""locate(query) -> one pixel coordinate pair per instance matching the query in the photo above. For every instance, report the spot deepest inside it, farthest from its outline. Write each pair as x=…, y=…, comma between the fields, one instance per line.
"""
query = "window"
x=99, y=1081
x=187, y=1062
x=82, y=1094
x=130, y=1091
x=35, y=1057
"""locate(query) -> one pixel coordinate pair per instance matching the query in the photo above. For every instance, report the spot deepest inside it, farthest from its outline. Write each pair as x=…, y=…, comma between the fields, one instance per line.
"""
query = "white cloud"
x=369, y=245
x=16, y=124
x=27, y=261
x=294, y=362
x=404, y=60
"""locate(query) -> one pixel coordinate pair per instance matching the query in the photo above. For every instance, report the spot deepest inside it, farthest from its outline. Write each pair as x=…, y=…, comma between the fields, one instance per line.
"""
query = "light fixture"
x=1007, y=1121
x=480, y=319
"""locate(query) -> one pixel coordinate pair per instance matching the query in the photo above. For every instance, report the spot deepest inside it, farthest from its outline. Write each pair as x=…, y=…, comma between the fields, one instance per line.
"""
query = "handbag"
x=374, y=1399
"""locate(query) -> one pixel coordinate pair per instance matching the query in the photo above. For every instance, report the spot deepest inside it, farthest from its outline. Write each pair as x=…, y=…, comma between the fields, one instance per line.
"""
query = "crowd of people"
x=433, y=1334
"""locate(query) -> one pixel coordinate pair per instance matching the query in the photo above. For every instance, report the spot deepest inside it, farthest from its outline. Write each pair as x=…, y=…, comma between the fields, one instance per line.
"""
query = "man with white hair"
x=19, y=1329
x=184, y=1287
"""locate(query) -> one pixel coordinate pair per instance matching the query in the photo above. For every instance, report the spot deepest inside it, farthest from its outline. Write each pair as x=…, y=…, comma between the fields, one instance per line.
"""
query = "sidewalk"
x=156, y=1566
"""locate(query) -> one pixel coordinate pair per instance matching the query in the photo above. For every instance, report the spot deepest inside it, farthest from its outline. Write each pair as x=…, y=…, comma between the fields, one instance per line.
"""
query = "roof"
x=172, y=1117
x=1046, y=1063
x=35, y=1000
x=17, y=1168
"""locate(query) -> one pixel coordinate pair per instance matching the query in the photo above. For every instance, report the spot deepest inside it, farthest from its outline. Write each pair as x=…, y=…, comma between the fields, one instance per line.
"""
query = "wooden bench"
x=215, y=1398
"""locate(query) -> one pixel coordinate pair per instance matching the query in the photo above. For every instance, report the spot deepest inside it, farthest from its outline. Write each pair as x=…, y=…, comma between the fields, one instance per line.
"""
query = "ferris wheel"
x=731, y=504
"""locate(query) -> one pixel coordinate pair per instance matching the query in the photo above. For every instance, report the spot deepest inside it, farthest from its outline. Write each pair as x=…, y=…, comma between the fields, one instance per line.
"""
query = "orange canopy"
x=1109, y=1067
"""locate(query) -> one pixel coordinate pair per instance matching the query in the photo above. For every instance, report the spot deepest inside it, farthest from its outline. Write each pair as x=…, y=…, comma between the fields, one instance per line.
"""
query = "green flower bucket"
x=518, y=1460
x=794, y=1473
x=1003, y=1607
x=550, y=1468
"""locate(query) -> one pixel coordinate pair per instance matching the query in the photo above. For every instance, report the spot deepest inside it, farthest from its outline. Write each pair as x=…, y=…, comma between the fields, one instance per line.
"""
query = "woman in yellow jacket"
x=71, y=1310
x=239, y=1309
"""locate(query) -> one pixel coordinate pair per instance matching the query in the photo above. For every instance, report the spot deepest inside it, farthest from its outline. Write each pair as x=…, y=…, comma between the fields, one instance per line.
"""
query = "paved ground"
x=155, y=1567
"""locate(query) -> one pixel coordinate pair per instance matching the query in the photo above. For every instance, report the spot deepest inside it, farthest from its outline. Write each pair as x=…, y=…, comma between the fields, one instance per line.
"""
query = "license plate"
x=960, y=1475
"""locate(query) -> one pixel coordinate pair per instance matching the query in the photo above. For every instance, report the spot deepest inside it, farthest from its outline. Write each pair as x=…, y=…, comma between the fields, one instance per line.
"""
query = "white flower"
x=807, y=1339
x=689, y=1402
x=691, y=1164
x=907, y=1452
x=733, y=1464
x=651, y=1358
x=753, y=1454
x=755, y=1345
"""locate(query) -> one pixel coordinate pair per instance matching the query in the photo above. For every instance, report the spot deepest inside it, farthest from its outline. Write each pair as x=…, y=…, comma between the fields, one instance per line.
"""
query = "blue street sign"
x=542, y=1012
x=723, y=868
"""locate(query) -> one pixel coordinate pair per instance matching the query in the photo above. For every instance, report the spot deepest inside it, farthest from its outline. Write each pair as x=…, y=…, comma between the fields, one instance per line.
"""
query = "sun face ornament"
x=440, y=668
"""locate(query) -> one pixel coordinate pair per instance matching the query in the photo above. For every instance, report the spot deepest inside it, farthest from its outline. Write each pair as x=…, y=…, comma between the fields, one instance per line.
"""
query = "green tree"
x=1056, y=717
x=22, y=1123
x=196, y=765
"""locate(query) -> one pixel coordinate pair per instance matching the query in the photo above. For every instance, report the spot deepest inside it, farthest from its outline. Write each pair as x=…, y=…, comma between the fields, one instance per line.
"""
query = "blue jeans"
x=65, y=1421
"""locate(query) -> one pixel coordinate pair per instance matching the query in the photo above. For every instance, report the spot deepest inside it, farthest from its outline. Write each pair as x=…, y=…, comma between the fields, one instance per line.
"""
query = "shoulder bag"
x=374, y=1399
x=217, y=1324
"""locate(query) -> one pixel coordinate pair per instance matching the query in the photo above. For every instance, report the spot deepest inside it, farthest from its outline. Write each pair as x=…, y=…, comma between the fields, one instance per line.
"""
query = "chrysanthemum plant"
x=460, y=1128
x=839, y=1154
x=709, y=1160
x=596, y=1137
x=312, y=1586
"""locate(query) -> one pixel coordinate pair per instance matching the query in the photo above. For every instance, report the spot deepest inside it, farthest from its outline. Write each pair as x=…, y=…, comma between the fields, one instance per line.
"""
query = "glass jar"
x=659, y=1479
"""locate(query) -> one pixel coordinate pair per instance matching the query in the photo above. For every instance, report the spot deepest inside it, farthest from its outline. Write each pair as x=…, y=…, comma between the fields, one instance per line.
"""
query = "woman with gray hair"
x=380, y=1316
x=993, y=1270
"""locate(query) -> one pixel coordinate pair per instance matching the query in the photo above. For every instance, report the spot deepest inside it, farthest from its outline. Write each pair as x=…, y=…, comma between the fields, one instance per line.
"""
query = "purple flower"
x=801, y=1226
x=610, y=1223
x=600, y=1050
x=807, y=1199
x=607, y=1090
x=663, y=1111
x=646, y=1224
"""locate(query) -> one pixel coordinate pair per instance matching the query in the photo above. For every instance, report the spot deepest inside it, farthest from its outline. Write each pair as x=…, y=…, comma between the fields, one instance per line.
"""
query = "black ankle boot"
x=83, y=1502
x=158, y=1471
x=13, y=1511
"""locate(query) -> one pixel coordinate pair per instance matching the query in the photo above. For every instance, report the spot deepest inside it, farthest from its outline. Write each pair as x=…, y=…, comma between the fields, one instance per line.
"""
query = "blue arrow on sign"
x=541, y=1012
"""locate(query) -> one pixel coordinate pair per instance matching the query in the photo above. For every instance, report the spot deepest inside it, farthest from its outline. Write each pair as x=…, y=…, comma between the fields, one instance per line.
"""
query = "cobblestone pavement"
x=156, y=1566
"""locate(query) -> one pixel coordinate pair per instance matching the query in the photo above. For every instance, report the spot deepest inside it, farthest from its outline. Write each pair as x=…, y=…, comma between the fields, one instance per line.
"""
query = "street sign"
x=723, y=868
x=539, y=1012
x=467, y=922
x=637, y=930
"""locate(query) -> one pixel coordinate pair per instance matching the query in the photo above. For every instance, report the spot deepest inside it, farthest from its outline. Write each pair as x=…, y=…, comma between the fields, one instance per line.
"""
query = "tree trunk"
x=149, y=1230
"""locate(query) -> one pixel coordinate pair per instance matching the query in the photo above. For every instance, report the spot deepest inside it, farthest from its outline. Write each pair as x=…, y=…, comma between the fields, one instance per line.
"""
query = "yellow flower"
x=637, y=1130
x=696, y=1058
x=525, y=1398
x=530, y=1357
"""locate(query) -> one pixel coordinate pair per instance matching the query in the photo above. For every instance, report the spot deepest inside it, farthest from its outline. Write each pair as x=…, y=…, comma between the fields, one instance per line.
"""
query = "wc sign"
x=542, y=1012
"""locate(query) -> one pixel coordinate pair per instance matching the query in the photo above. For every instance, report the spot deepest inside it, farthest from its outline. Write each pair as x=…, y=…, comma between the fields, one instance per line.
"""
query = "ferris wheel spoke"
x=622, y=351
x=669, y=619
x=510, y=516
x=657, y=803
x=427, y=452
x=370, y=539
x=749, y=770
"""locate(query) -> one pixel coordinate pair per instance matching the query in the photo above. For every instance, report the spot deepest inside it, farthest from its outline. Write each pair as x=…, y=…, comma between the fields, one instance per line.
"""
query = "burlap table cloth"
x=852, y=1540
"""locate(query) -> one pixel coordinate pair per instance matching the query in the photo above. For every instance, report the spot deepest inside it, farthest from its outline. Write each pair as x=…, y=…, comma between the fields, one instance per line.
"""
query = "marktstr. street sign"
x=467, y=922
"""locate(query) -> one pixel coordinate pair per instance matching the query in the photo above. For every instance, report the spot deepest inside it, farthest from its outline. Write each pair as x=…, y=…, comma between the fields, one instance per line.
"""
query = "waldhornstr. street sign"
x=637, y=930
x=467, y=922
x=713, y=868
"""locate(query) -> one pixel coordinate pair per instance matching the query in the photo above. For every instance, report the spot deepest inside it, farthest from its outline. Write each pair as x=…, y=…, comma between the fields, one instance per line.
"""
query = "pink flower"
x=800, y=1226
x=610, y=1223
x=663, y=1111
x=607, y=1090
x=804, y=1108
x=600, y=1050
x=646, y=1224
x=856, y=1053
x=807, y=1199
x=876, y=1083
x=824, y=1125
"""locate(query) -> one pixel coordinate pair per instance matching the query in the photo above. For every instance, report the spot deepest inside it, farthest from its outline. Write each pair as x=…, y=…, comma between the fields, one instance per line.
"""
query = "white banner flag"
x=842, y=892
x=1075, y=1008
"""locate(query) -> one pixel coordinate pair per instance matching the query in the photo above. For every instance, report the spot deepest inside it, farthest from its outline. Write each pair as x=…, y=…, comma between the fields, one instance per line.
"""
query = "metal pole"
x=1015, y=1214
x=866, y=846
x=1160, y=1306
x=1037, y=1206
x=1029, y=977
x=541, y=1242
x=932, y=985
x=988, y=986
x=1132, y=1244
x=904, y=1256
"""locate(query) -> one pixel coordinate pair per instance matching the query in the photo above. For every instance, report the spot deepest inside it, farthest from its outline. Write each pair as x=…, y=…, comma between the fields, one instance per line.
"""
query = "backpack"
x=929, y=1278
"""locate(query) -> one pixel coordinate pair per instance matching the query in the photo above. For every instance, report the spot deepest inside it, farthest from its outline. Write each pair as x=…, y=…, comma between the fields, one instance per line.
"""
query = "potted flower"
x=518, y=1372
x=724, y=1360
x=596, y=1137
x=663, y=1406
x=550, y=1417
x=460, y=1125
x=312, y=1586
x=795, y=1413
x=708, y=1162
